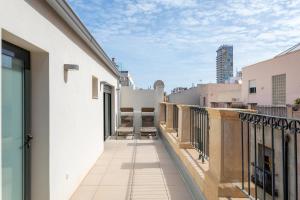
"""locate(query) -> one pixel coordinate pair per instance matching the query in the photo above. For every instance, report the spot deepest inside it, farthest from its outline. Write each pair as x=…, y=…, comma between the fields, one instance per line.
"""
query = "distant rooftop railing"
x=273, y=110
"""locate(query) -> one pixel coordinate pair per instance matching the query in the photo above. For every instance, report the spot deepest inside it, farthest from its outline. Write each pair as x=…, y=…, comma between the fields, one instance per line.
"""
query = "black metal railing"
x=264, y=174
x=199, y=134
x=175, y=118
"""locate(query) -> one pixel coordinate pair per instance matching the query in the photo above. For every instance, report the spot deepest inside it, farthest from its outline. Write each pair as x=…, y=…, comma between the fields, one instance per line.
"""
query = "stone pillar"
x=225, y=145
x=169, y=115
x=162, y=107
x=184, y=126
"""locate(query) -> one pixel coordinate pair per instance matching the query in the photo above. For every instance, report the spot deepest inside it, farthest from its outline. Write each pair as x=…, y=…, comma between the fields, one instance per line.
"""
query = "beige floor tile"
x=121, y=179
x=112, y=193
x=133, y=170
x=98, y=169
x=92, y=179
x=148, y=179
x=149, y=192
x=84, y=193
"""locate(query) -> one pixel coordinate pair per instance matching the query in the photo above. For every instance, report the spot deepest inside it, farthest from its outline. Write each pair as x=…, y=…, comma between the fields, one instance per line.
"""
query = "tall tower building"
x=224, y=63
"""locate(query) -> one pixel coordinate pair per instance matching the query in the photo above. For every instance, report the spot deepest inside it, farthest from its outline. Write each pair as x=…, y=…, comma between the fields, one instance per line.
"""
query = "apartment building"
x=58, y=89
x=126, y=79
x=220, y=95
x=224, y=63
x=274, y=81
x=209, y=95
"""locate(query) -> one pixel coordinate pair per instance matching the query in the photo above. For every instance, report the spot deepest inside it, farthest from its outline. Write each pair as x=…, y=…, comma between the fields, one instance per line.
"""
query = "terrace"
x=201, y=153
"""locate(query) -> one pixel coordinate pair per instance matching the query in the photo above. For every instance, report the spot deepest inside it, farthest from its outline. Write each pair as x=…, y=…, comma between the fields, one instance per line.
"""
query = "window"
x=279, y=89
x=94, y=87
x=252, y=86
x=264, y=162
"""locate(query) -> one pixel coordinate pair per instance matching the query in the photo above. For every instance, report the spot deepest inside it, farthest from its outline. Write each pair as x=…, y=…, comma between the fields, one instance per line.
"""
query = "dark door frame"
x=14, y=51
x=107, y=92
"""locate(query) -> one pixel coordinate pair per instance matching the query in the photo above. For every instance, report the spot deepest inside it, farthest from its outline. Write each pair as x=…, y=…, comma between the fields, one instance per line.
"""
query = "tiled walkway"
x=133, y=170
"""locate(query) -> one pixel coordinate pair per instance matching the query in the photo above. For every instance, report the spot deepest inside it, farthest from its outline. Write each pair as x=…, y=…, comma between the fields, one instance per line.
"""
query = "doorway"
x=107, y=107
x=16, y=117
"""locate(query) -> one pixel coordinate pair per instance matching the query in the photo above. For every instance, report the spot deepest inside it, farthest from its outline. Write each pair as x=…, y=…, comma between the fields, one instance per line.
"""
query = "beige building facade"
x=220, y=95
x=272, y=82
x=209, y=95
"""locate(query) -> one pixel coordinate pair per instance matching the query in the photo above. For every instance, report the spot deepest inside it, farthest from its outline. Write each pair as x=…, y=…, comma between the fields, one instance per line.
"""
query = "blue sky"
x=176, y=40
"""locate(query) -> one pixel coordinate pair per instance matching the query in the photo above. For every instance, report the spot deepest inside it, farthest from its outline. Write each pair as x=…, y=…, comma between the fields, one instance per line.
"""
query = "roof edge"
x=64, y=10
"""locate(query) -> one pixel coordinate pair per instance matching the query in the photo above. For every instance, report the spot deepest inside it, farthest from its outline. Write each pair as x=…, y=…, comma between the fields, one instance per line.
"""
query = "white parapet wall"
x=139, y=98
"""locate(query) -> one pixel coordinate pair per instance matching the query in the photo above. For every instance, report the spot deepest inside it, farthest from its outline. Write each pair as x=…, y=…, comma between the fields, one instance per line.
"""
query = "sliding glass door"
x=15, y=68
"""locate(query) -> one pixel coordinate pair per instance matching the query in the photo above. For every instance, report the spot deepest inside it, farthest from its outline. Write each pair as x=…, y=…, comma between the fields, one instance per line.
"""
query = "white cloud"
x=187, y=32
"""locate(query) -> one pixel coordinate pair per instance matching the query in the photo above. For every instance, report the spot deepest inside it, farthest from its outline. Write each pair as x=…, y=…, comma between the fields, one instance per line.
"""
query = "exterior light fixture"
x=71, y=67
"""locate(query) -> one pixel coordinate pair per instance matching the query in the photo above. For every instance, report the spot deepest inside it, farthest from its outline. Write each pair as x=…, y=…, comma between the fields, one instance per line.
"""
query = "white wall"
x=139, y=98
x=1, y=113
x=74, y=119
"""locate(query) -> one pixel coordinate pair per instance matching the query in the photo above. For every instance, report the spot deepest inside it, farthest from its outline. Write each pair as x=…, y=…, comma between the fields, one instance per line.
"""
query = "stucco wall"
x=139, y=98
x=189, y=97
x=262, y=72
x=220, y=93
x=1, y=113
x=212, y=92
x=70, y=122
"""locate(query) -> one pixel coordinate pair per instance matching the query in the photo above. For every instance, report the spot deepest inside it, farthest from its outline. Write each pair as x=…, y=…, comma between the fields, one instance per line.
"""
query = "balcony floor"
x=133, y=170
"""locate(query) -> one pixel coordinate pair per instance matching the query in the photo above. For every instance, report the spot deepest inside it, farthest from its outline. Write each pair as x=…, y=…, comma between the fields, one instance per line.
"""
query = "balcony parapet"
x=217, y=174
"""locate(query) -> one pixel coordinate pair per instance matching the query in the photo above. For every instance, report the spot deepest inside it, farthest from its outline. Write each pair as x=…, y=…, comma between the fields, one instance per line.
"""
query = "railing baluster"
x=283, y=164
x=199, y=123
x=202, y=135
x=273, y=157
x=195, y=128
x=296, y=160
x=286, y=172
x=198, y=131
x=264, y=153
x=242, y=138
x=248, y=145
x=255, y=161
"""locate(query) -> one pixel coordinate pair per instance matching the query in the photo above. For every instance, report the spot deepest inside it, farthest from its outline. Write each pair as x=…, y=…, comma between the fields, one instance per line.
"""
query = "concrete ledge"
x=202, y=183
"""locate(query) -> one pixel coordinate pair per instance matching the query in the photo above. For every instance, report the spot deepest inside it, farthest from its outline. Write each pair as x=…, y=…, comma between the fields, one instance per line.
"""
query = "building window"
x=94, y=87
x=264, y=169
x=279, y=89
x=252, y=86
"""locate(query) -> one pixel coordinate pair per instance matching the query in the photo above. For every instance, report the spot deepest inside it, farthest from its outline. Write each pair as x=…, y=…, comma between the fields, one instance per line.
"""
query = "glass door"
x=15, y=64
x=107, y=111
